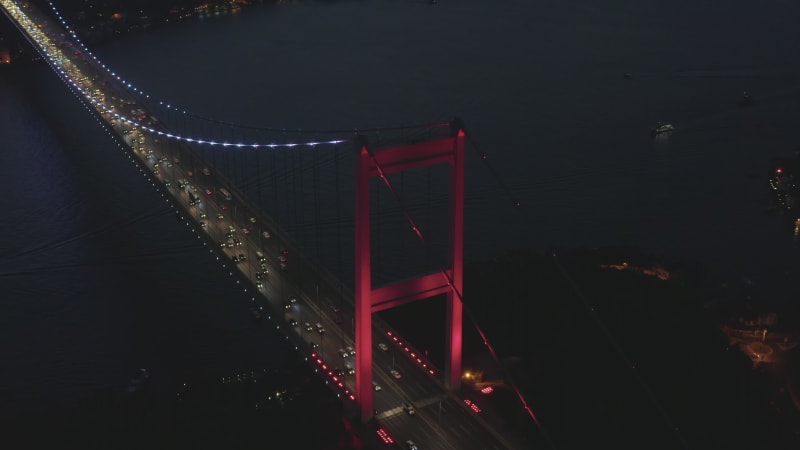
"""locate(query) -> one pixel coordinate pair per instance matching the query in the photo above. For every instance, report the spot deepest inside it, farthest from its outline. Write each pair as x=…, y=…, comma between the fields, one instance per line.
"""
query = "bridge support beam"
x=371, y=163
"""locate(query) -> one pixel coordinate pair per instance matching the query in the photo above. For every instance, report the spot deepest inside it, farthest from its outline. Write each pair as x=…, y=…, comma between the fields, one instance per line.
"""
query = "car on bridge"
x=397, y=375
x=383, y=346
x=410, y=445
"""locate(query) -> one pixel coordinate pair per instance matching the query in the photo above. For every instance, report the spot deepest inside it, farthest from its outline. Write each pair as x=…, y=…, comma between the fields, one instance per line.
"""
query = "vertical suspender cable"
x=315, y=178
x=297, y=180
x=258, y=183
x=338, y=212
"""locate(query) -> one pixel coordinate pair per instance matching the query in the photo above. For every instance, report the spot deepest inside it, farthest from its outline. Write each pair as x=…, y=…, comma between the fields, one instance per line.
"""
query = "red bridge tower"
x=372, y=163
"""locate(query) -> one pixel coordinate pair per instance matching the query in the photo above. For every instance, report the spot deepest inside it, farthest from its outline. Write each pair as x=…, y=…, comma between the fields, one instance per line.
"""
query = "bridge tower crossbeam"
x=368, y=300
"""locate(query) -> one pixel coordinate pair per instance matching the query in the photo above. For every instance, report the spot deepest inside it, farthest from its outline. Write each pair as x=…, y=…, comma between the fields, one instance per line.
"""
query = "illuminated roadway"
x=441, y=420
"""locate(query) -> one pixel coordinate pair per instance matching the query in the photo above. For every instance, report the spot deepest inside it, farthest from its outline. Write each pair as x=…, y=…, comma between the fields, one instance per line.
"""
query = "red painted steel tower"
x=372, y=163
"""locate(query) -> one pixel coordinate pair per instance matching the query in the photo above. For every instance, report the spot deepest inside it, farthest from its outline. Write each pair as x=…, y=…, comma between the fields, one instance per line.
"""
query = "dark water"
x=98, y=278
x=541, y=91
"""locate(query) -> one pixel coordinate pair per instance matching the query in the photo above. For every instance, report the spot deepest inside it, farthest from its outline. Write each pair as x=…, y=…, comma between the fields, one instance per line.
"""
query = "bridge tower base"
x=372, y=163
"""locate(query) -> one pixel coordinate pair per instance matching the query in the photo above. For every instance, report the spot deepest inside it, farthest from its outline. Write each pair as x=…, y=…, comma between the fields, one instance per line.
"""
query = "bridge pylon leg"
x=363, y=288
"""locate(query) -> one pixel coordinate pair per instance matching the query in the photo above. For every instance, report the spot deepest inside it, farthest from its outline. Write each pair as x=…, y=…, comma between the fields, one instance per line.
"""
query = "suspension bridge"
x=242, y=188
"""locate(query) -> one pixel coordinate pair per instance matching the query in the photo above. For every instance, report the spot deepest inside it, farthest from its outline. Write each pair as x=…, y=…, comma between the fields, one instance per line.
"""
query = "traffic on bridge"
x=412, y=406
